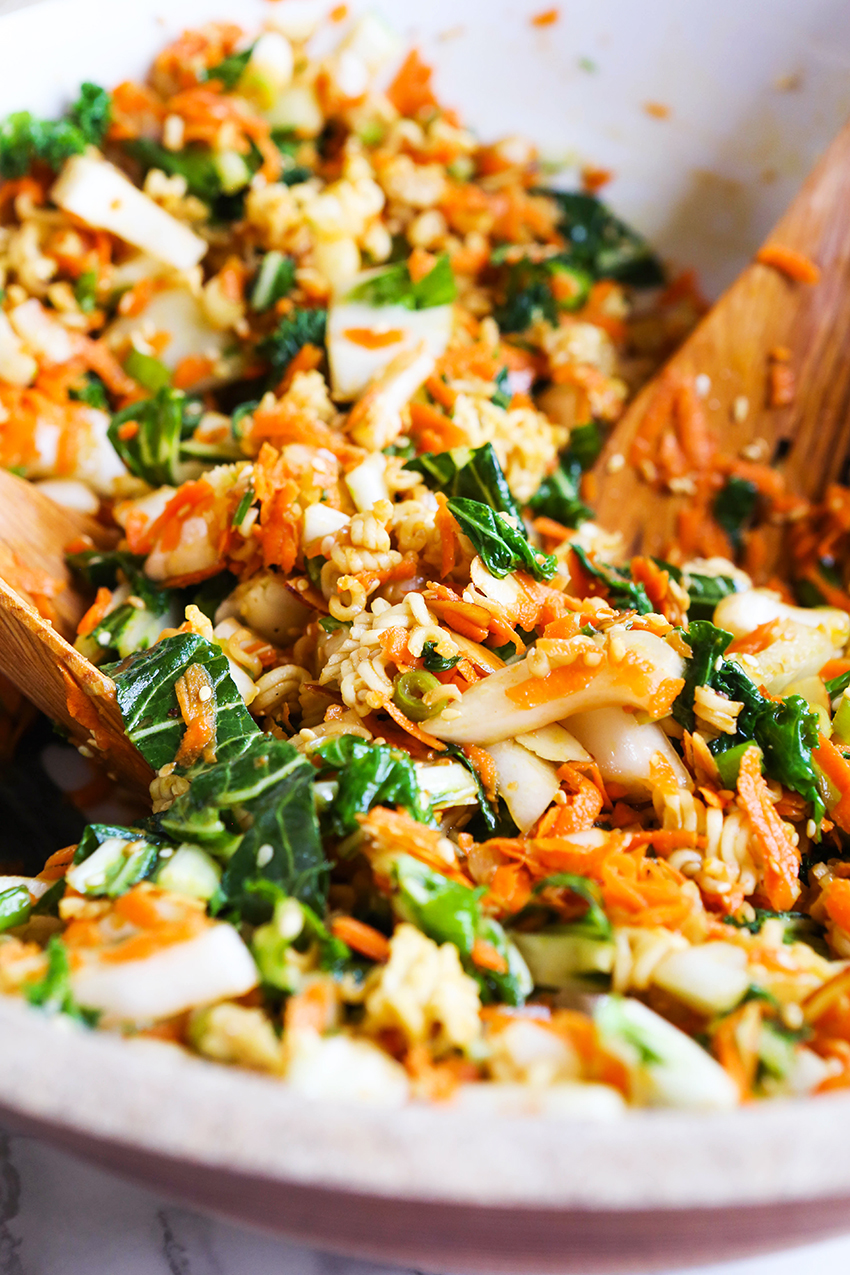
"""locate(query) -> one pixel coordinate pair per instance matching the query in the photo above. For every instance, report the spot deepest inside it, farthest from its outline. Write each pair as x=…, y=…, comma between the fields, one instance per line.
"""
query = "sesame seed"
x=615, y=463
x=264, y=856
x=702, y=385
x=204, y=694
x=740, y=409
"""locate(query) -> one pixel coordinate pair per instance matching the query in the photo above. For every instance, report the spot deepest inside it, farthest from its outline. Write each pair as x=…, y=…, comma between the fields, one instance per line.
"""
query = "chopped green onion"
x=410, y=691
x=149, y=372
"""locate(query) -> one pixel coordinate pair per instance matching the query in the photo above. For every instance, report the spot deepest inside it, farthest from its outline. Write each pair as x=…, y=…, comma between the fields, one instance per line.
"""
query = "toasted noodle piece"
x=780, y=857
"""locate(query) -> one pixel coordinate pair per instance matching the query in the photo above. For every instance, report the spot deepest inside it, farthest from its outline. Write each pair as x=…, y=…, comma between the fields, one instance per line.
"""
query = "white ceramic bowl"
x=754, y=92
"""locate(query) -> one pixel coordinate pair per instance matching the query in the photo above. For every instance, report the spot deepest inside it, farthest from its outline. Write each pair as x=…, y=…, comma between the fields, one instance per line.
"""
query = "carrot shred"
x=95, y=613
x=837, y=770
x=788, y=261
x=486, y=957
x=410, y=91
x=412, y=728
x=781, y=858
x=362, y=938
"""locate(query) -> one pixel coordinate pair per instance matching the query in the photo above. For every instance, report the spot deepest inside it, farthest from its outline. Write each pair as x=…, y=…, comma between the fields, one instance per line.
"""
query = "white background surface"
x=756, y=88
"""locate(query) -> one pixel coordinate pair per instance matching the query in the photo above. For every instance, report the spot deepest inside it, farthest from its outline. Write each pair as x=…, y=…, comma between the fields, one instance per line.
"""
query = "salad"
x=449, y=799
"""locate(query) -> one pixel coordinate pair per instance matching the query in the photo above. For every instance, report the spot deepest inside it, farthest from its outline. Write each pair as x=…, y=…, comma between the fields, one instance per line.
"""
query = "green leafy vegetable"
x=300, y=328
x=837, y=685
x=148, y=701
x=92, y=112
x=394, y=286
x=705, y=592
x=603, y=245
x=594, y=924
x=451, y=913
x=129, y=626
x=25, y=140
x=275, y=279
x=230, y=70
x=502, y=395
x=471, y=473
x=195, y=162
x=529, y=293
x=271, y=783
x=90, y=389
x=436, y=663
x=623, y=593
x=154, y=451
x=15, y=907
x=101, y=567
x=368, y=775
x=151, y=373
x=118, y=858
x=786, y=731
x=734, y=507
x=53, y=992
x=293, y=928
x=557, y=497
x=503, y=548
x=85, y=291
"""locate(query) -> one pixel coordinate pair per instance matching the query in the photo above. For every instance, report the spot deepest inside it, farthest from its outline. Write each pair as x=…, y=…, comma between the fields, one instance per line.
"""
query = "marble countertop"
x=59, y=1216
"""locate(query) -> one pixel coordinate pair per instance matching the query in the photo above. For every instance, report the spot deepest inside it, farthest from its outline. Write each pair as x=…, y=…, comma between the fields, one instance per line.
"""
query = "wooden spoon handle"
x=762, y=311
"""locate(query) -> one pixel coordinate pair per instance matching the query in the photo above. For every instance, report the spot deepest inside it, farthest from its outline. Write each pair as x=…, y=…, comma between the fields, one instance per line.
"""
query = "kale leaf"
x=472, y=473
x=92, y=112
x=24, y=140
x=230, y=70
x=394, y=286
x=53, y=992
x=503, y=548
x=154, y=451
x=451, y=913
x=368, y=775
x=300, y=328
x=622, y=592
x=530, y=294
x=786, y=730
x=734, y=507
x=148, y=701
x=602, y=244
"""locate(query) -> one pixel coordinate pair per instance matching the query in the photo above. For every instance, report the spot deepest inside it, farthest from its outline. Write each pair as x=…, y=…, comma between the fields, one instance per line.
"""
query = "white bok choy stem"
x=624, y=749
x=526, y=783
x=626, y=668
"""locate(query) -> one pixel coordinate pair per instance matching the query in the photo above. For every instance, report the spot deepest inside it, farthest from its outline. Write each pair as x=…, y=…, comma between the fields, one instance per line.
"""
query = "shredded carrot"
x=486, y=957
x=836, y=900
x=196, y=697
x=788, y=261
x=834, y=668
x=95, y=613
x=448, y=529
x=484, y=766
x=433, y=430
x=410, y=91
x=781, y=382
x=420, y=263
x=362, y=938
x=780, y=857
x=312, y=1009
x=837, y=770
x=752, y=643
x=658, y=110
x=412, y=728
x=547, y=18
x=580, y=811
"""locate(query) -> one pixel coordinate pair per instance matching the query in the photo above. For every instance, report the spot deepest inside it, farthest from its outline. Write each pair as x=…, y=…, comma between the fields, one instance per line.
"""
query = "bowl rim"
x=153, y=1096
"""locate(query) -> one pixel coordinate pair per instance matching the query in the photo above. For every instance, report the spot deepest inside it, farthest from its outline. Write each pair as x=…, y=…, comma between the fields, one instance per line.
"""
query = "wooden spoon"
x=35, y=655
x=731, y=347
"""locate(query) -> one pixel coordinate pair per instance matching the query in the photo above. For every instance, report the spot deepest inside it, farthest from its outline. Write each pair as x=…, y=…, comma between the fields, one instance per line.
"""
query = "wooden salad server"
x=765, y=317
x=38, y=657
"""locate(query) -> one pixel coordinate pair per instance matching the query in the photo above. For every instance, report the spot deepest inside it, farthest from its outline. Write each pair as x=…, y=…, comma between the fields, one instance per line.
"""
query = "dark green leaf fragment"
x=734, y=507
x=92, y=112
x=368, y=775
x=53, y=992
x=471, y=473
x=602, y=244
x=394, y=286
x=503, y=548
x=623, y=593
x=300, y=328
x=15, y=907
x=148, y=701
